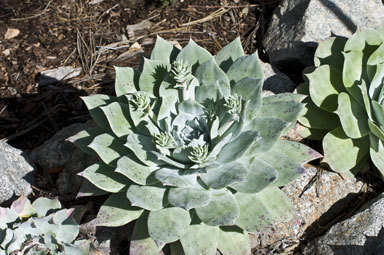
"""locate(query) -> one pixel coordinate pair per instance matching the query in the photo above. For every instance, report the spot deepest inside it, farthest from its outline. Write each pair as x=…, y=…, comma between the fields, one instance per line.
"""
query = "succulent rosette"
x=345, y=107
x=191, y=151
x=41, y=227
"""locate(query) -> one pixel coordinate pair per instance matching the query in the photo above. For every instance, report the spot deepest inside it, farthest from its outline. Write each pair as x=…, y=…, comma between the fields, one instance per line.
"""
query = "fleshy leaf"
x=377, y=57
x=164, y=50
x=328, y=52
x=117, y=211
x=221, y=210
x=194, y=244
x=135, y=171
x=353, y=117
x=314, y=117
x=193, y=54
x=352, y=69
x=147, y=197
x=225, y=175
x=125, y=80
x=141, y=243
x=117, y=115
x=189, y=198
x=261, y=210
x=176, y=177
x=168, y=225
x=341, y=152
x=93, y=104
x=153, y=73
x=233, y=240
x=377, y=153
x=229, y=54
x=245, y=66
x=44, y=205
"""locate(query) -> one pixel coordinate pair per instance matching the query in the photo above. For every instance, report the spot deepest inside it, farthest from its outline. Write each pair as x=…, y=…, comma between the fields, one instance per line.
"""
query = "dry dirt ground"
x=93, y=35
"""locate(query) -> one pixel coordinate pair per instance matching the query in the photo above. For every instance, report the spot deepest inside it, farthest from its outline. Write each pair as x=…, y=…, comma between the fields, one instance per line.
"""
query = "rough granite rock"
x=16, y=173
x=362, y=234
x=317, y=206
x=58, y=153
x=297, y=26
x=276, y=81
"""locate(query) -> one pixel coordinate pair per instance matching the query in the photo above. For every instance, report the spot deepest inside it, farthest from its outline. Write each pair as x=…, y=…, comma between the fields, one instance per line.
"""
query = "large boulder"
x=59, y=153
x=276, y=81
x=362, y=234
x=297, y=25
x=16, y=173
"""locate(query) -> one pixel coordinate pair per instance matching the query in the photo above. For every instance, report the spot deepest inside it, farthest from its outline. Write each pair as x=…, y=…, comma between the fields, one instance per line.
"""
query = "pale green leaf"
x=164, y=50
x=193, y=54
x=147, y=197
x=125, y=80
x=233, y=240
x=229, y=54
x=117, y=115
x=200, y=239
x=223, y=176
x=245, y=66
x=188, y=198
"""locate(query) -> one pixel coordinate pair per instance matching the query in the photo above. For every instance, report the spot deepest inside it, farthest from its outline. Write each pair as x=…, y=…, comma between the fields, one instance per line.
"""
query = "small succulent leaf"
x=87, y=189
x=377, y=56
x=221, y=142
x=378, y=112
x=376, y=152
x=93, y=104
x=135, y=171
x=250, y=89
x=260, y=175
x=376, y=84
x=84, y=138
x=210, y=73
x=311, y=133
x=189, y=198
x=141, y=243
x=315, y=117
x=117, y=115
x=362, y=37
x=233, y=240
x=176, y=177
x=193, y=55
x=377, y=131
x=328, y=52
x=104, y=177
x=200, y=239
x=117, y=211
x=44, y=205
x=284, y=97
x=152, y=75
x=142, y=146
x=261, y=210
x=108, y=148
x=298, y=152
x=191, y=107
x=77, y=249
x=225, y=175
x=337, y=145
x=164, y=50
x=125, y=80
x=229, y=54
x=147, y=197
x=326, y=84
x=214, y=131
x=236, y=148
x=221, y=210
x=168, y=225
x=288, y=169
x=20, y=204
x=352, y=116
x=245, y=66
x=270, y=130
x=284, y=110
x=169, y=97
x=353, y=67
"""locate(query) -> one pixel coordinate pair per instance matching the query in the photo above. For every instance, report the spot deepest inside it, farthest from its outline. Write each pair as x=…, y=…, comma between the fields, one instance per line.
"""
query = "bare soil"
x=95, y=37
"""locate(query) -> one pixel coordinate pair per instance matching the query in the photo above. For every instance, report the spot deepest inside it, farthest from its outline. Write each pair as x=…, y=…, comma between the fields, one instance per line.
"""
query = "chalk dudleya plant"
x=191, y=151
x=345, y=108
x=41, y=227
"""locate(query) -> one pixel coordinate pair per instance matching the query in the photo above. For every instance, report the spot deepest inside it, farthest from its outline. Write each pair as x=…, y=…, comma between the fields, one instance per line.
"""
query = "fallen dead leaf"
x=135, y=46
x=11, y=33
x=7, y=52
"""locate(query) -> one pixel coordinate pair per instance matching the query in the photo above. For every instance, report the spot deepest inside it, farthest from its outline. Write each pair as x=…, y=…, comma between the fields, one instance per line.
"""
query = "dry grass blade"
x=211, y=16
x=87, y=52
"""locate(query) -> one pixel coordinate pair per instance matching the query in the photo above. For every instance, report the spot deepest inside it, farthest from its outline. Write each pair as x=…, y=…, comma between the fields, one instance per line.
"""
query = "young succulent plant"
x=39, y=228
x=345, y=107
x=191, y=151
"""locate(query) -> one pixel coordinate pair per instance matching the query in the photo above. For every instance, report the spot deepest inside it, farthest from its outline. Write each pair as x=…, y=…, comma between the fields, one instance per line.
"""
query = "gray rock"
x=297, y=26
x=276, y=81
x=317, y=206
x=57, y=152
x=362, y=234
x=16, y=173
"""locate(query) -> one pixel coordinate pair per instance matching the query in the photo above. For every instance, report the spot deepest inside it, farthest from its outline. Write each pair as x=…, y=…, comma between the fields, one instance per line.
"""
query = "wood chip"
x=11, y=33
